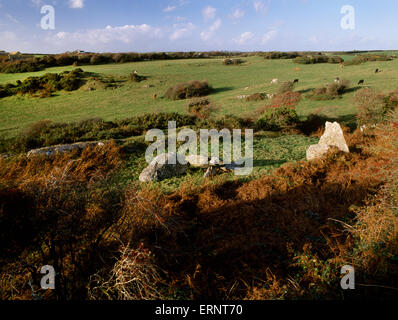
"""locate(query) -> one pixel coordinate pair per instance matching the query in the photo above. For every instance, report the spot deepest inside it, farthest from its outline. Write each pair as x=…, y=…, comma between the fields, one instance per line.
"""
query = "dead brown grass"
x=283, y=236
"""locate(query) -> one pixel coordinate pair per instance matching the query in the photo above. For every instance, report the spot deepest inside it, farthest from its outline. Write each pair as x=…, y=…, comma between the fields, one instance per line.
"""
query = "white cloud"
x=244, y=38
x=237, y=14
x=76, y=4
x=169, y=9
x=181, y=31
x=209, y=13
x=209, y=33
x=11, y=18
x=269, y=36
x=260, y=7
x=128, y=34
x=37, y=3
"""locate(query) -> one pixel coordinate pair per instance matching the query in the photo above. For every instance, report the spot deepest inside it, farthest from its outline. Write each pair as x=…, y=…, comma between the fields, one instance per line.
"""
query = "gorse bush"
x=281, y=55
x=256, y=97
x=201, y=108
x=189, y=89
x=227, y=121
x=313, y=59
x=229, y=62
x=329, y=92
x=275, y=119
x=359, y=59
x=287, y=86
x=45, y=84
x=286, y=100
x=374, y=107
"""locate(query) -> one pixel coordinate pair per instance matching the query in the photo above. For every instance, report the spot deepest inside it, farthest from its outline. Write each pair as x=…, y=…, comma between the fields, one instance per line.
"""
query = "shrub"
x=229, y=62
x=287, y=86
x=275, y=119
x=201, y=108
x=319, y=58
x=256, y=97
x=136, y=78
x=45, y=85
x=100, y=59
x=188, y=90
x=374, y=107
x=286, y=100
x=329, y=92
x=227, y=121
x=281, y=55
x=359, y=59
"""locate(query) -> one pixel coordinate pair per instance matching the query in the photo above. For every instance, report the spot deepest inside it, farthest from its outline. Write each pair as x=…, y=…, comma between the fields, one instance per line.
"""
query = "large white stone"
x=334, y=137
x=197, y=161
x=164, y=166
x=317, y=151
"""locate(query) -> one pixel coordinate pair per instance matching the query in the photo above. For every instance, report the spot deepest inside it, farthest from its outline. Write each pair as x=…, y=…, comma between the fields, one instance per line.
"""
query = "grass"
x=271, y=150
x=255, y=74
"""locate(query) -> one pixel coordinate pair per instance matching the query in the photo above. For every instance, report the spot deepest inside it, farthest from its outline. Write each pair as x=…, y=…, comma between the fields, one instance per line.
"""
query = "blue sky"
x=197, y=25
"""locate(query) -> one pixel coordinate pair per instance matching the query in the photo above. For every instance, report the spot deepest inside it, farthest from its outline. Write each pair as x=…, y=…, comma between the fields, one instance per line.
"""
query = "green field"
x=130, y=99
x=271, y=150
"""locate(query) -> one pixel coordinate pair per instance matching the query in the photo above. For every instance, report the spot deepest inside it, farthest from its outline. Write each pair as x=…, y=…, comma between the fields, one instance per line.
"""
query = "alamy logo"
x=48, y=281
x=231, y=146
x=48, y=21
x=348, y=21
x=348, y=281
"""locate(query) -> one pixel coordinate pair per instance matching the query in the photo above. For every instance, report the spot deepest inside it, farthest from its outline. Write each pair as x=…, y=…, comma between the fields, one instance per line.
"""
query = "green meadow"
x=129, y=99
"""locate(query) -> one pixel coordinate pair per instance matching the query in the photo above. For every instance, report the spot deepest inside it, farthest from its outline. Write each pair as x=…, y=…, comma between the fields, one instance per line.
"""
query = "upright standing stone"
x=333, y=137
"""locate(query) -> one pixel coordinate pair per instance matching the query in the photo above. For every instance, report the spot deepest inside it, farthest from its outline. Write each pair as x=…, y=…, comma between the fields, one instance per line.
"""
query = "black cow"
x=361, y=82
x=296, y=81
x=377, y=71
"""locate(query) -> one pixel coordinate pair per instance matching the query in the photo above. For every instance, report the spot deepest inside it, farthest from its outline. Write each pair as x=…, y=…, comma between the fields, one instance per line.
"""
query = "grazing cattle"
x=377, y=71
x=274, y=81
x=296, y=81
x=337, y=80
x=135, y=72
x=361, y=82
x=155, y=96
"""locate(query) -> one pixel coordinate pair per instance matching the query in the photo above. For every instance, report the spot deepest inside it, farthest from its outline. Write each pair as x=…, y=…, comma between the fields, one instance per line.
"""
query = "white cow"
x=274, y=81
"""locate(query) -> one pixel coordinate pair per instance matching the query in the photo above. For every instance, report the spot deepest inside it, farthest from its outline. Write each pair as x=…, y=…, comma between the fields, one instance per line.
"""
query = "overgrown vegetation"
x=374, y=107
x=201, y=108
x=229, y=62
x=331, y=91
x=281, y=55
x=195, y=243
x=277, y=119
x=286, y=86
x=256, y=97
x=363, y=58
x=189, y=89
x=312, y=59
x=45, y=85
x=46, y=133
